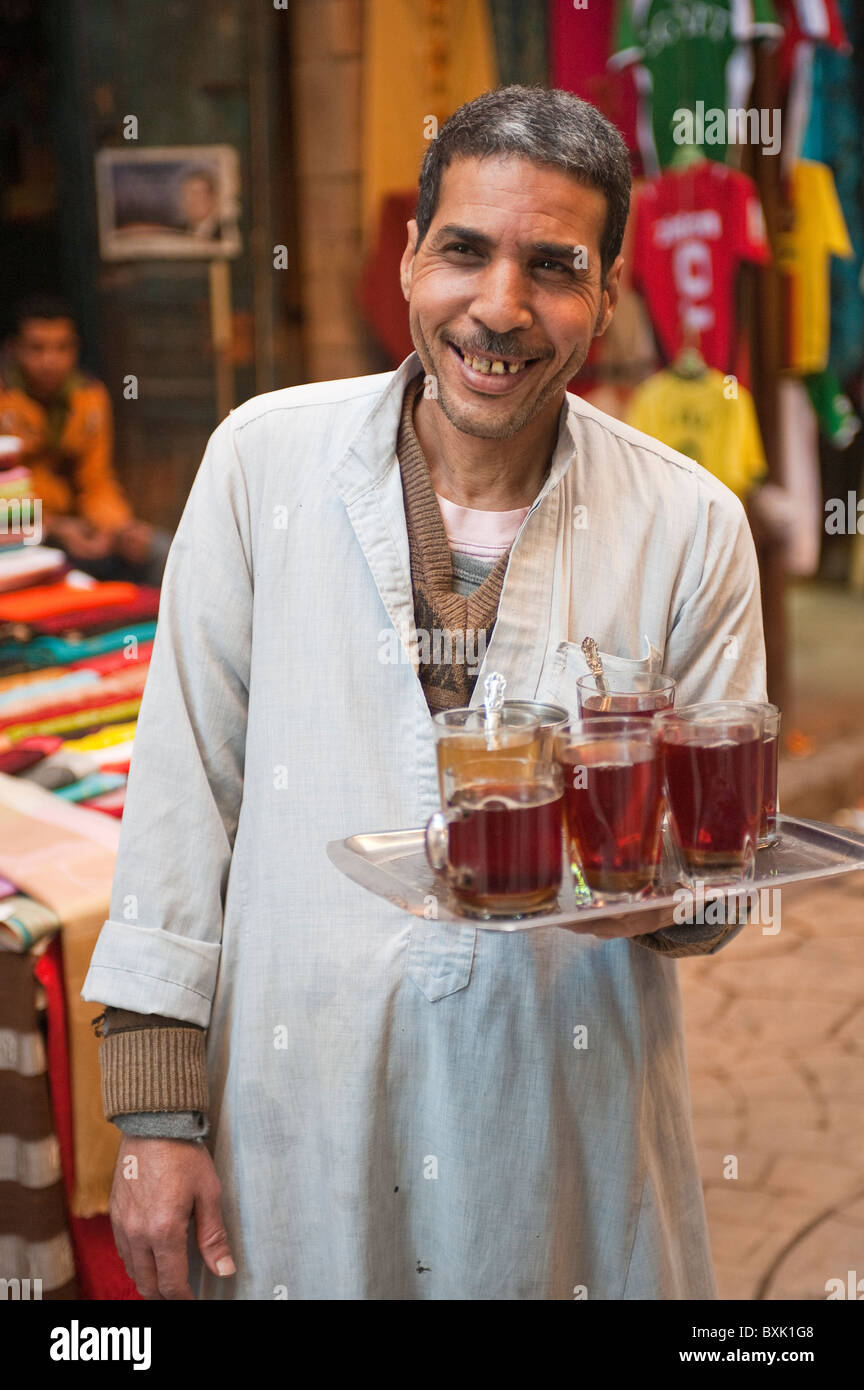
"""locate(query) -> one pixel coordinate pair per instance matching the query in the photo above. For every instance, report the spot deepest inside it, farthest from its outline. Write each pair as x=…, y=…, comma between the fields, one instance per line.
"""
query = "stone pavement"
x=775, y=1040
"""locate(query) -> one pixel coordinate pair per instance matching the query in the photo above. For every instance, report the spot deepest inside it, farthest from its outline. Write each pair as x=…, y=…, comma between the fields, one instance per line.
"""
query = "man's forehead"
x=58, y=325
x=532, y=200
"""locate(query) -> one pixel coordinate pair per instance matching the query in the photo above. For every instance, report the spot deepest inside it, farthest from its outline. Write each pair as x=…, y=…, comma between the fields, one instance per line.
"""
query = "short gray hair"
x=547, y=126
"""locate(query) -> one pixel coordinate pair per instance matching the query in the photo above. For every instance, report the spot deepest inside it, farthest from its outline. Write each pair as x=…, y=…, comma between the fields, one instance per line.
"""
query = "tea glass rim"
x=605, y=725
x=662, y=681
x=543, y=705
x=442, y=728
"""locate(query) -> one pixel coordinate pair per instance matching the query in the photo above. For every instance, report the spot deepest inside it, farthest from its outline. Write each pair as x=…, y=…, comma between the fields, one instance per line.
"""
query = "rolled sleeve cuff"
x=152, y=971
x=700, y=939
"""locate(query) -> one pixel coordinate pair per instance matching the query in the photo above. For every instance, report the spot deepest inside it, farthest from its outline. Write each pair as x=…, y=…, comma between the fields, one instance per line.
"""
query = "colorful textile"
x=32, y=564
x=45, y=705
x=691, y=56
x=20, y=694
x=95, y=785
x=702, y=418
x=379, y=293
x=47, y=651
x=838, y=419
x=835, y=136
x=27, y=753
x=88, y=717
x=692, y=230
x=46, y=600
x=100, y=617
x=63, y=856
x=423, y=59
x=34, y=1239
x=804, y=252
x=806, y=23
x=580, y=44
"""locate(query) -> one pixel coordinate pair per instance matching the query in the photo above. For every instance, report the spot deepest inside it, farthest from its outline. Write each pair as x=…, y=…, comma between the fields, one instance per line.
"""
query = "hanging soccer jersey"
x=692, y=230
x=806, y=24
x=693, y=56
x=707, y=418
x=804, y=252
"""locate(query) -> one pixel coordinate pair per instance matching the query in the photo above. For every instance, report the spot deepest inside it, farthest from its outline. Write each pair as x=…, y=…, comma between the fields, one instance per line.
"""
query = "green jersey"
x=694, y=57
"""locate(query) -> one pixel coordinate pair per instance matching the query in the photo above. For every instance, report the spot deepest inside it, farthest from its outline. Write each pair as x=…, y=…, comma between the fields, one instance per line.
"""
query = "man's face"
x=510, y=270
x=46, y=351
x=197, y=199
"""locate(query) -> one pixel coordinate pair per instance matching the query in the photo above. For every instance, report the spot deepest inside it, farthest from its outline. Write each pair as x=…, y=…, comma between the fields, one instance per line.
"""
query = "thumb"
x=212, y=1237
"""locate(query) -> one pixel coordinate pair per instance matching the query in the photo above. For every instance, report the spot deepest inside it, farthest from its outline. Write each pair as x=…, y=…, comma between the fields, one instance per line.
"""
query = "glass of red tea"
x=628, y=695
x=613, y=804
x=712, y=756
x=498, y=841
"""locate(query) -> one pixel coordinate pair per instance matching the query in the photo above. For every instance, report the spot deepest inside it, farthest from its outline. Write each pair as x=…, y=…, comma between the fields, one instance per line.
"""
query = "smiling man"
x=401, y=1108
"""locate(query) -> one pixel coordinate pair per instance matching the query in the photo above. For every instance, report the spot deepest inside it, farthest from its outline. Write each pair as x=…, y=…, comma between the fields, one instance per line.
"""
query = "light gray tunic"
x=398, y=1108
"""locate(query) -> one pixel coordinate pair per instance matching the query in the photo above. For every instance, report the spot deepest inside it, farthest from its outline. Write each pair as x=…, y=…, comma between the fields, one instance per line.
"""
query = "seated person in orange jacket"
x=63, y=417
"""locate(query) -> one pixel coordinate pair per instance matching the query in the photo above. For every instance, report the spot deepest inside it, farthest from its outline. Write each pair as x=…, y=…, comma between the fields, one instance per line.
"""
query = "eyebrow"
x=451, y=231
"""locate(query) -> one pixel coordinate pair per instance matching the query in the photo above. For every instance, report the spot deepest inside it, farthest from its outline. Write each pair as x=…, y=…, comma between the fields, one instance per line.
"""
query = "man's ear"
x=611, y=290
x=406, y=265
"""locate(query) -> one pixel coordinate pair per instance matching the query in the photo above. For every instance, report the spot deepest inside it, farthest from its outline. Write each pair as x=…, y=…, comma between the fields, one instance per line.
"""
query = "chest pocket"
x=440, y=956
x=568, y=664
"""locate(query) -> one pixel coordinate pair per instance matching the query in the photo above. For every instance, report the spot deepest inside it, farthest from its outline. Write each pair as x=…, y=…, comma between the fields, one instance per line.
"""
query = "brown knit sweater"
x=448, y=624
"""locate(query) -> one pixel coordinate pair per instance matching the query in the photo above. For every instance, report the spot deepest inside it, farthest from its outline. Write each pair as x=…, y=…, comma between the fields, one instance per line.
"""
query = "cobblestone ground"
x=775, y=1040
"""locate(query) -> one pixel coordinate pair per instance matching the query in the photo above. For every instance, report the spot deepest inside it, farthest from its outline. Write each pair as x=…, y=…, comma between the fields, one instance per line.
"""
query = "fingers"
x=172, y=1266
x=143, y=1271
x=211, y=1234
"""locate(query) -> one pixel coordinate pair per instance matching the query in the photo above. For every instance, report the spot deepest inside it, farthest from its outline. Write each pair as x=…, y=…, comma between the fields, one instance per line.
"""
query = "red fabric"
x=819, y=22
x=113, y=661
x=379, y=294
x=144, y=605
x=580, y=44
x=109, y=803
x=45, y=600
x=692, y=229
x=98, y=1267
x=28, y=752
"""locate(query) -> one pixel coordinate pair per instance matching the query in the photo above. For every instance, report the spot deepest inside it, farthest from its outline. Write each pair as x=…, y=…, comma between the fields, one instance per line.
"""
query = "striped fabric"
x=34, y=1238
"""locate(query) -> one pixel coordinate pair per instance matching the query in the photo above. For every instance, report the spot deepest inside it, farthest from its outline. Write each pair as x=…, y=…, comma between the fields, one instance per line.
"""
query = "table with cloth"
x=74, y=656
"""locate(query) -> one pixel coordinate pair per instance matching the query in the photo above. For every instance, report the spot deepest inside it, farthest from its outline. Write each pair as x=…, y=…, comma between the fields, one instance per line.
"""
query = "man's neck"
x=495, y=475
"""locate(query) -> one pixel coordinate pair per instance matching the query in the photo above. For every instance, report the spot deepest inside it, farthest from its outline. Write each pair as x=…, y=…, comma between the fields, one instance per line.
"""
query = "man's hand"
x=625, y=923
x=159, y=1185
x=133, y=541
x=80, y=539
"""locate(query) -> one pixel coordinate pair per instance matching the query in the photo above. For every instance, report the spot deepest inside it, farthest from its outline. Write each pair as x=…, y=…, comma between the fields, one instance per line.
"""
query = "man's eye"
x=554, y=265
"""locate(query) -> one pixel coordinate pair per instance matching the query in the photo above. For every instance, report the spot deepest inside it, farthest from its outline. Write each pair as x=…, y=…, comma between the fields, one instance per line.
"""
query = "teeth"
x=494, y=367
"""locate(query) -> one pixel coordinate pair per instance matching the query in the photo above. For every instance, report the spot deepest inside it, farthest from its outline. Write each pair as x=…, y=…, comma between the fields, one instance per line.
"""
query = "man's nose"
x=501, y=298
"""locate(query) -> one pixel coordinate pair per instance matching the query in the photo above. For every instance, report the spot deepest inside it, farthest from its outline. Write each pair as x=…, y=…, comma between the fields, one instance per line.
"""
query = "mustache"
x=497, y=347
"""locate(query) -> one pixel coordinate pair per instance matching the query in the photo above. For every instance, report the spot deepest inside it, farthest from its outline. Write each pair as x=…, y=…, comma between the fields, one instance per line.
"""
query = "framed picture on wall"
x=168, y=203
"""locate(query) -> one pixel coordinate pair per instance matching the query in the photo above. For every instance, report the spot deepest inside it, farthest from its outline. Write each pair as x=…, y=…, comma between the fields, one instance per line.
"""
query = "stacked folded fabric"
x=74, y=656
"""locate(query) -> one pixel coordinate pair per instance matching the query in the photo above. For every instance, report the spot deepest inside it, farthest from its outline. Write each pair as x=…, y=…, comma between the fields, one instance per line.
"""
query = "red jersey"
x=692, y=229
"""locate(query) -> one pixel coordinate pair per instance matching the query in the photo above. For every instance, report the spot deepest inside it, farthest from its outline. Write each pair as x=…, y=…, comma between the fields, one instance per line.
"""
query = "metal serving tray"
x=392, y=864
